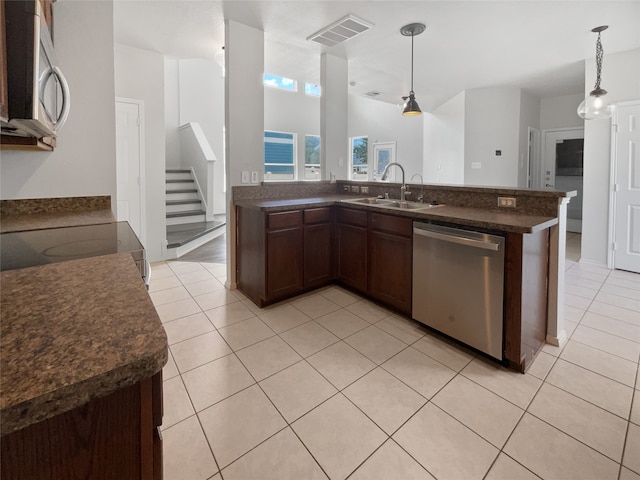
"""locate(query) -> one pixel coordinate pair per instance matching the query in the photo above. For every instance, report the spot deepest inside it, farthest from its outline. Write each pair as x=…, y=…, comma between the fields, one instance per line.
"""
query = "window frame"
x=294, y=154
x=351, y=166
x=278, y=87
x=319, y=164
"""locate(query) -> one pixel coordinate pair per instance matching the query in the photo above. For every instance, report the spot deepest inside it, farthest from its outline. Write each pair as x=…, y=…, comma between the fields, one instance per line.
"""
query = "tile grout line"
x=543, y=381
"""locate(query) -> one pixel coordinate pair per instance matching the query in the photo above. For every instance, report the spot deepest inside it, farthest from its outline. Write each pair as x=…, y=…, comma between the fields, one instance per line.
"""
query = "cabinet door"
x=351, y=243
x=284, y=262
x=390, y=269
x=317, y=254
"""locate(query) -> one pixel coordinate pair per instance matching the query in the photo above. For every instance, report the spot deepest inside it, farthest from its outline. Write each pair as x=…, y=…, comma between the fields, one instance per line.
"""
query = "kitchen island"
x=81, y=354
x=288, y=245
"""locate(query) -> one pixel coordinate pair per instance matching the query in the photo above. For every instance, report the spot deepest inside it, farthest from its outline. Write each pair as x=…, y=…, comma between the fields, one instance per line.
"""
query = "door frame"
x=533, y=167
x=613, y=170
x=142, y=176
x=544, y=157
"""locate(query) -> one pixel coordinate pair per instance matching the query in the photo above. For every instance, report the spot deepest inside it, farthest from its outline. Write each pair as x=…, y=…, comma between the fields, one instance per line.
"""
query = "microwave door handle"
x=66, y=98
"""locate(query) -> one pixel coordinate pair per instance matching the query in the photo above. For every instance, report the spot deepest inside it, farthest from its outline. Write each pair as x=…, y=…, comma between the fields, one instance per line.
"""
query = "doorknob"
x=549, y=185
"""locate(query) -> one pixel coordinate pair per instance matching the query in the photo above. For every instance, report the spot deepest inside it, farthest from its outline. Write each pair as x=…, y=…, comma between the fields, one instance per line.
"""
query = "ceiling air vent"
x=340, y=31
x=373, y=94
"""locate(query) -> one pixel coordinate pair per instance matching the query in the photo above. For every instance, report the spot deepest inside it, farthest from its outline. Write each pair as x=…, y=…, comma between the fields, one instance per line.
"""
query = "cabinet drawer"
x=352, y=217
x=317, y=215
x=277, y=221
x=392, y=224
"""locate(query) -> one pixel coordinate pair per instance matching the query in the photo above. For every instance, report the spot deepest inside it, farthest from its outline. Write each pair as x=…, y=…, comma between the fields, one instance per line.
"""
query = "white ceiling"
x=539, y=46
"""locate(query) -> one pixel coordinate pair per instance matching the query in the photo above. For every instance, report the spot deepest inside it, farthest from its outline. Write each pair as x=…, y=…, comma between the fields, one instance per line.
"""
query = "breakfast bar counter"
x=72, y=332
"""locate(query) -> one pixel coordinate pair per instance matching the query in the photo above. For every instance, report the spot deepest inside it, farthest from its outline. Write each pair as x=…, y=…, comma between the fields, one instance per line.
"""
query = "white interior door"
x=626, y=196
x=129, y=163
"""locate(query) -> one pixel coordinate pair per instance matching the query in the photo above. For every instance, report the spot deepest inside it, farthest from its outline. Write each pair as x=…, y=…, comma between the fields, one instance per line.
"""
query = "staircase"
x=182, y=199
x=187, y=225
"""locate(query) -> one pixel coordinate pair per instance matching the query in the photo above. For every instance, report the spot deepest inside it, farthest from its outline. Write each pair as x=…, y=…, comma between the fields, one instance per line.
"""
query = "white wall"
x=244, y=101
x=492, y=123
x=334, y=144
x=560, y=112
x=201, y=91
x=139, y=74
x=529, y=117
x=172, y=112
x=621, y=78
x=84, y=162
x=293, y=112
x=384, y=122
x=444, y=142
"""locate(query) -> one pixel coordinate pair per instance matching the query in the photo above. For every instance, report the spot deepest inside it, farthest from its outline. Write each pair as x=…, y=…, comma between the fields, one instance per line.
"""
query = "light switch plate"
x=476, y=165
x=364, y=189
x=245, y=177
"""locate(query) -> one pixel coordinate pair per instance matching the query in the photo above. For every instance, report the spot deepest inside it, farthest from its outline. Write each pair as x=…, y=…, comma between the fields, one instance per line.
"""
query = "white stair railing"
x=197, y=155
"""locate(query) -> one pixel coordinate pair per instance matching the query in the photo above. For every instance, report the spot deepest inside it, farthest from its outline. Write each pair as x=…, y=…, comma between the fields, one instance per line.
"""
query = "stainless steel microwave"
x=38, y=93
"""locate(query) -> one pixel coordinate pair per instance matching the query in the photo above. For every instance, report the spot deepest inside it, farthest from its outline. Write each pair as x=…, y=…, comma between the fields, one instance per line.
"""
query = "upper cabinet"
x=4, y=93
x=38, y=97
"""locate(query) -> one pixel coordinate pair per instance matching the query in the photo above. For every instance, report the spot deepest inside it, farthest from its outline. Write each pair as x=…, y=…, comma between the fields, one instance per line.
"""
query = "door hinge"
x=138, y=121
x=614, y=246
x=616, y=187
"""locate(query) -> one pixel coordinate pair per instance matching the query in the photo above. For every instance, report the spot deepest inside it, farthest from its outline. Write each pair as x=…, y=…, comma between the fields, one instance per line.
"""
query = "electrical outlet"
x=355, y=188
x=254, y=177
x=364, y=189
x=476, y=164
x=509, y=202
x=345, y=188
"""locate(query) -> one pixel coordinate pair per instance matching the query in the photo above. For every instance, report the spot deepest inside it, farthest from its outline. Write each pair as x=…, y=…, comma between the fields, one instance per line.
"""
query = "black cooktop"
x=40, y=247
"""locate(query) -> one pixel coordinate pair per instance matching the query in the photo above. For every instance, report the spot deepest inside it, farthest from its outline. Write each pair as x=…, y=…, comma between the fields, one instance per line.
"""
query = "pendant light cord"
x=412, y=62
x=599, y=55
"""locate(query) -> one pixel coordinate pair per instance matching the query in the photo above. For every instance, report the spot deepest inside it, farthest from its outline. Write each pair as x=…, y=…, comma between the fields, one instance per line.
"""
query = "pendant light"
x=598, y=104
x=411, y=107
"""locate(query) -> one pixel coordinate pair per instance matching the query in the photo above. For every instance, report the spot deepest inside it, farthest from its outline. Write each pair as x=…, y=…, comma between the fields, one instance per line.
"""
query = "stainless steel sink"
x=388, y=203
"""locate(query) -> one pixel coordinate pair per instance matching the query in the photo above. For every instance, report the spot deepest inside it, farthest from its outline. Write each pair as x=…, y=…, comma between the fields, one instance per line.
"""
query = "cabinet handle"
x=66, y=98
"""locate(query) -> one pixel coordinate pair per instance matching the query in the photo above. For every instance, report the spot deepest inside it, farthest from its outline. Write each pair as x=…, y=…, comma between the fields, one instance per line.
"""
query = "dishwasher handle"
x=469, y=242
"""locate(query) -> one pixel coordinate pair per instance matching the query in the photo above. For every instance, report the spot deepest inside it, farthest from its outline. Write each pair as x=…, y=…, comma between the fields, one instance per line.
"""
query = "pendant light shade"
x=599, y=103
x=411, y=107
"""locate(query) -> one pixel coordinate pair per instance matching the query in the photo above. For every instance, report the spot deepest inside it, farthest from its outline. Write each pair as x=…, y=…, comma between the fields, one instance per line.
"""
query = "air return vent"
x=340, y=31
x=373, y=94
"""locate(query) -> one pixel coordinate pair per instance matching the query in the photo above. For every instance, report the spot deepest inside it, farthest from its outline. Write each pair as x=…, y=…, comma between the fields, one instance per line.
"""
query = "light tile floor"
x=331, y=385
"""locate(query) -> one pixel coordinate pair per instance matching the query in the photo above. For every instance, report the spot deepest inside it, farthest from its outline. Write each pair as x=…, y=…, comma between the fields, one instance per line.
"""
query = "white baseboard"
x=558, y=341
x=586, y=261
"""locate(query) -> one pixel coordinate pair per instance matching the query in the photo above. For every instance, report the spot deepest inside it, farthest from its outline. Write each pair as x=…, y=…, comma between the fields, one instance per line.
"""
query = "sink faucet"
x=385, y=174
x=421, y=197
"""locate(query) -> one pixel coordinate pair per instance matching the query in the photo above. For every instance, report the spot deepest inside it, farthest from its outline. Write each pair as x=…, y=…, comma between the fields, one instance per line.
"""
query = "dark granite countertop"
x=72, y=332
x=39, y=221
x=473, y=217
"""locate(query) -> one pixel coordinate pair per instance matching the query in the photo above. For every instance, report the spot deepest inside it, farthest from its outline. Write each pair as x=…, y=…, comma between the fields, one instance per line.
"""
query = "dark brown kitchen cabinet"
x=526, y=297
x=116, y=436
x=351, y=248
x=4, y=91
x=390, y=260
x=318, y=240
x=284, y=251
x=281, y=254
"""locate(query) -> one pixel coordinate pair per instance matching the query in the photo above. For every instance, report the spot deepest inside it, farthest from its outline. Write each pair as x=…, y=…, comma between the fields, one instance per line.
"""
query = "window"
x=311, y=89
x=358, y=158
x=279, y=82
x=279, y=156
x=311, y=157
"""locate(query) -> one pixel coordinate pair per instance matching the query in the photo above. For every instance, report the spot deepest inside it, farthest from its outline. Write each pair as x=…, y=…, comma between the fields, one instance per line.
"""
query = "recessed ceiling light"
x=340, y=31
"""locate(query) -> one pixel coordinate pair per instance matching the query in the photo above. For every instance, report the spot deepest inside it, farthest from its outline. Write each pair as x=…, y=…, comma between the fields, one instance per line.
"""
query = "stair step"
x=177, y=171
x=183, y=202
x=185, y=213
x=182, y=190
x=186, y=180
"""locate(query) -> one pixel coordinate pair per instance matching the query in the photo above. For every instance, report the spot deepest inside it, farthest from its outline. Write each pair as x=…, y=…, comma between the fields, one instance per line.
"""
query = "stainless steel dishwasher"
x=458, y=284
